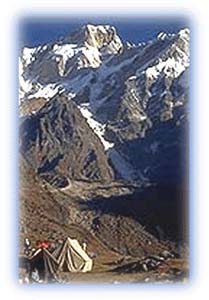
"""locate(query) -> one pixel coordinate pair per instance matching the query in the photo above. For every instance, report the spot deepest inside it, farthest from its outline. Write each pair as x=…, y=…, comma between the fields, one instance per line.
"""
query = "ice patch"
x=184, y=33
x=24, y=85
x=27, y=55
x=170, y=67
x=46, y=91
x=162, y=36
x=132, y=77
x=66, y=51
x=97, y=127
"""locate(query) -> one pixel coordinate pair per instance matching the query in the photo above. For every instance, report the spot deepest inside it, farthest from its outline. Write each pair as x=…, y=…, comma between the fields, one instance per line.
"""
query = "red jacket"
x=43, y=245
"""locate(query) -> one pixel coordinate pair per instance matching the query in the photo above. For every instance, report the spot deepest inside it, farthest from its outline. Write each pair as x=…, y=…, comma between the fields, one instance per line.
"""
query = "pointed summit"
x=97, y=36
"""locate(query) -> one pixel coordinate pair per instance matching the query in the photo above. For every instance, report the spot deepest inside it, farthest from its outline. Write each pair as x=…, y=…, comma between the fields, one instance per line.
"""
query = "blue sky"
x=35, y=31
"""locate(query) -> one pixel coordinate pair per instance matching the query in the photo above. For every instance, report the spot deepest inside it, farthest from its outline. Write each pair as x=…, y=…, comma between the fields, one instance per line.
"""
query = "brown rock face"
x=61, y=146
x=31, y=106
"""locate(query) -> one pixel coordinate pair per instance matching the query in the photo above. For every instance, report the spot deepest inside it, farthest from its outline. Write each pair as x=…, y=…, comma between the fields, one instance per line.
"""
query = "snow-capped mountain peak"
x=121, y=91
x=94, y=47
x=97, y=36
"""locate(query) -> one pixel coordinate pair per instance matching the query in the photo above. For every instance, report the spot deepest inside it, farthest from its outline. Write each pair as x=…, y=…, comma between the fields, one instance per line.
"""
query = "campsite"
x=43, y=266
x=70, y=263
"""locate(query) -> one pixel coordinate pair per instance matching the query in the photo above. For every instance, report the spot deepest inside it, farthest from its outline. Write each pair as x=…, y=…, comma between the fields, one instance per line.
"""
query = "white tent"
x=73, y=258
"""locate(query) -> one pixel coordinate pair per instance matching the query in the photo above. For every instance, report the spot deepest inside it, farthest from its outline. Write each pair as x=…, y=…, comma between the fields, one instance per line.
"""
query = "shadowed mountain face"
x=104, y=135
x=162, y=210
x=61, y=146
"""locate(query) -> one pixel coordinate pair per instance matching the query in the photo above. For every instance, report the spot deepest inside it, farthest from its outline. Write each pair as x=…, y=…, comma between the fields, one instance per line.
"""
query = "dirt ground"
x=173, y=271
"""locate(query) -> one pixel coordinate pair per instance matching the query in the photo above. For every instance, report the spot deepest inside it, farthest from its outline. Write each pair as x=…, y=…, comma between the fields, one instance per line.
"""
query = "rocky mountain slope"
x=103, y=126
